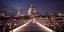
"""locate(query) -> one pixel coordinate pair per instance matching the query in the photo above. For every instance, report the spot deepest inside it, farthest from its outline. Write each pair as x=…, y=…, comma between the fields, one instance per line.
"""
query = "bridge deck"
x=32, y=26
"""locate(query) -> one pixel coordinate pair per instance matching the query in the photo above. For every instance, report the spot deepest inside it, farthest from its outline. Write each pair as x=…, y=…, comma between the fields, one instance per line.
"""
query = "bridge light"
x=19, y=27
x=45, y=27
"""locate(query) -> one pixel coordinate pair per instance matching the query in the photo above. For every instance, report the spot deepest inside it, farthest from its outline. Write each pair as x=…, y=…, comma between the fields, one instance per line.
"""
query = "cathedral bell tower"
x=18, y=14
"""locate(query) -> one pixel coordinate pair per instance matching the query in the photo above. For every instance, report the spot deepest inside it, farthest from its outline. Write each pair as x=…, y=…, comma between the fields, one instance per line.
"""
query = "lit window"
x=44, y=18
x=41, y=18
x=59, y=17
x=63, y=14
x=51, y=18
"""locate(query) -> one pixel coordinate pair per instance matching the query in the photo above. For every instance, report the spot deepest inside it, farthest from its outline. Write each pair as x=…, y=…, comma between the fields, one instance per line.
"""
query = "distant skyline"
x=41, y=6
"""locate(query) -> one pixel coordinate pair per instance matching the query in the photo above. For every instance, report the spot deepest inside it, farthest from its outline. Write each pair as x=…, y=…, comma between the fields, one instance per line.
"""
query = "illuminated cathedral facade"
x=31, y=10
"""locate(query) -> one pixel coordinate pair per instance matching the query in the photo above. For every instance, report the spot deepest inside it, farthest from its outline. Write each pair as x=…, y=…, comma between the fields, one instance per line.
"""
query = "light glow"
x=19, y=27
x=45, y=27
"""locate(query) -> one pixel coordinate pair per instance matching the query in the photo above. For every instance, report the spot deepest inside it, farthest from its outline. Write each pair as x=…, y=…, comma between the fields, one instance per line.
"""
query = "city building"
x=33, y=14
x=18, y=14
x=2, y=13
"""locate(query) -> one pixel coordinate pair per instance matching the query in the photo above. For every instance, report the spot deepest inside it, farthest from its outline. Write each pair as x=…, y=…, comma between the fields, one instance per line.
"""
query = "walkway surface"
x=32, y=27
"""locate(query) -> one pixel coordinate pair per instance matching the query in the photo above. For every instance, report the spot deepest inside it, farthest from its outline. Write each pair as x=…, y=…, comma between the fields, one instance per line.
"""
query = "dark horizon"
x=41, y=6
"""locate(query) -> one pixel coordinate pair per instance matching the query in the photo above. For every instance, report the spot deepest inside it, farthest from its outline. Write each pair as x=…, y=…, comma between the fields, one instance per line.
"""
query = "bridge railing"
x=54, y=25
x=12, y=24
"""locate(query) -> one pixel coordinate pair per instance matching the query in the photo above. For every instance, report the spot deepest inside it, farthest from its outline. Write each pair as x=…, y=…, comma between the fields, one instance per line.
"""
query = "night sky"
x=41, y=6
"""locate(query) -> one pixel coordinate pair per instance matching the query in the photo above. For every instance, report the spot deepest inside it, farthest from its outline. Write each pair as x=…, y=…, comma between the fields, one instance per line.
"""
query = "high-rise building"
x=2, y=13
x=18, y=14
x=31, y=10
x=46, y=14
